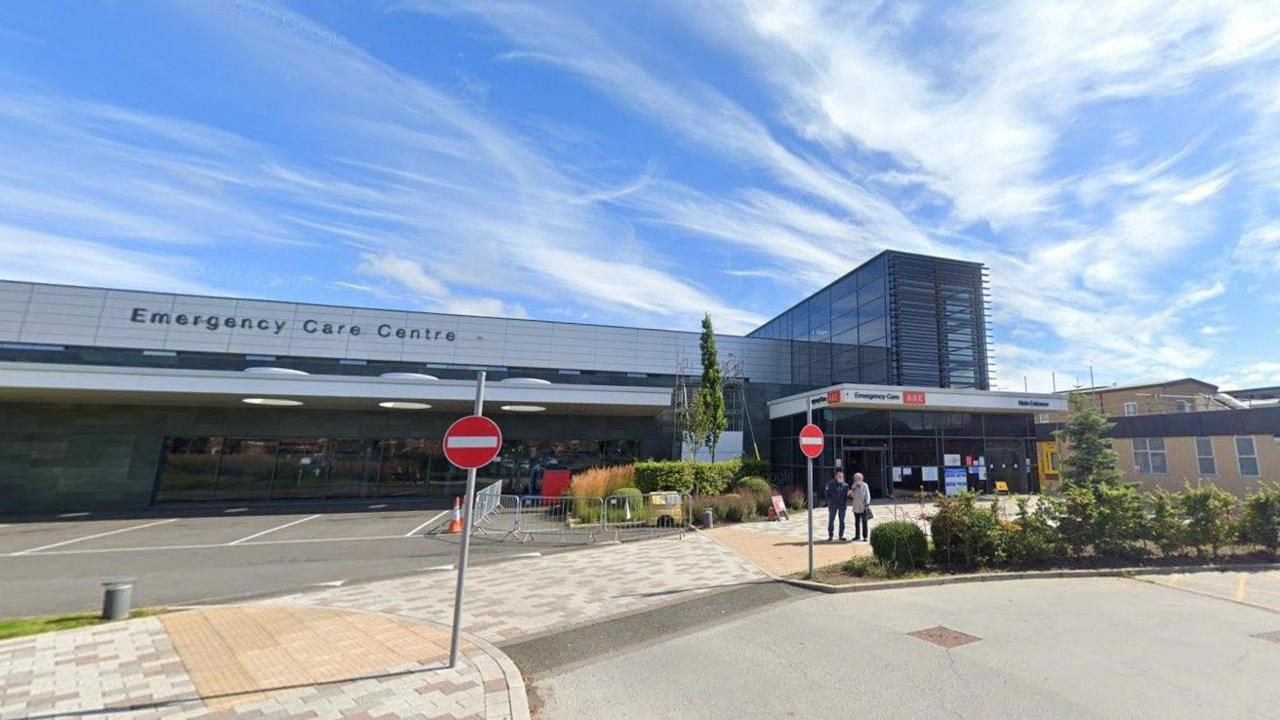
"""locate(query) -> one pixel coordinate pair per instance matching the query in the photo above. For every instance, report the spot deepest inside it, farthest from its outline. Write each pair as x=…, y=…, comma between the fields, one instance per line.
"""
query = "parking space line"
x=1240, y=587
x=206, y=546
x=271, y=530
x=92, y=537
x=416, y=530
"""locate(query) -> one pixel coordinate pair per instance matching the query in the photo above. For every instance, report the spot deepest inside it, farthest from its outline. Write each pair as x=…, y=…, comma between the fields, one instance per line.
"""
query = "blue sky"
x=639, y=163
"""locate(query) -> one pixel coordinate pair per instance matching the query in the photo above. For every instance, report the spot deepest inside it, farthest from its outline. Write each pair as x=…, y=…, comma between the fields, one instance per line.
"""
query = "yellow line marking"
x=1240, y=587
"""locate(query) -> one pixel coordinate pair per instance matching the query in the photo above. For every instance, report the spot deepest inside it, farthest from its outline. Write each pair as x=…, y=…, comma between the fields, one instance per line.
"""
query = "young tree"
x=1089, y=460
x=710, y=397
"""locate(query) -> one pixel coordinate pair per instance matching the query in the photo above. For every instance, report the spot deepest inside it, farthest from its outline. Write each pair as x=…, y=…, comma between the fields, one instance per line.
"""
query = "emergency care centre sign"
x=215, y=322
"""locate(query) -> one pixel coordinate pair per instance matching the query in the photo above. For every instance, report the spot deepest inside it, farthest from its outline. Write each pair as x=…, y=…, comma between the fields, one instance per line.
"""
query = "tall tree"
x=710, y=398
x=1089, y=460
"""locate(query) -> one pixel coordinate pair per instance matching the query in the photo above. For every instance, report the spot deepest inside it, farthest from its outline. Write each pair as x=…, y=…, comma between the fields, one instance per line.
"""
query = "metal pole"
x=808, y=418
x=467, y=508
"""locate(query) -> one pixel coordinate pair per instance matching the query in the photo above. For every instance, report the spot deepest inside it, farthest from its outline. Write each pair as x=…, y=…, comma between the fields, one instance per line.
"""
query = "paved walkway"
x=515, y=600
x=374, y=650
x=257, y=662
x=781, y=548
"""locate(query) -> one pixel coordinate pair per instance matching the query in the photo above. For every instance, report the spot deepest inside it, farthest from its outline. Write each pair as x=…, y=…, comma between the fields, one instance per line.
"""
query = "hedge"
x=900, y=544
x=695, y=477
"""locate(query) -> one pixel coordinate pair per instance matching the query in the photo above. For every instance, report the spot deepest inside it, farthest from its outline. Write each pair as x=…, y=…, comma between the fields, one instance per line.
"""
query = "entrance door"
x=871, y=463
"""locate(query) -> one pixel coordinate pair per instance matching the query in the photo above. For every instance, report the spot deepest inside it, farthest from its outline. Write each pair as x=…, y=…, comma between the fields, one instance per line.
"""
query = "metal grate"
x=944, y=637
x=1273, y=636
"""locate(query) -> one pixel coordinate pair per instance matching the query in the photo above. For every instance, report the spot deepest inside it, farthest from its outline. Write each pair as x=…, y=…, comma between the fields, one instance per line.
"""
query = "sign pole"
x=467, y=508
x=808, y=419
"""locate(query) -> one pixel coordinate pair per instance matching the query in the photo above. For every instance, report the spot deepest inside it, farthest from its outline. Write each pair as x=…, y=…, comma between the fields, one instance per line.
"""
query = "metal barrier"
x=657, y=513
x=545, y=515
x=496, y=514
x=486, y=503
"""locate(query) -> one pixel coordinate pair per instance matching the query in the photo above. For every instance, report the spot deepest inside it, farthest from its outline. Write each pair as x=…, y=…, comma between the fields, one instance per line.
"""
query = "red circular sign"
x=811, y=440
x=472, y=442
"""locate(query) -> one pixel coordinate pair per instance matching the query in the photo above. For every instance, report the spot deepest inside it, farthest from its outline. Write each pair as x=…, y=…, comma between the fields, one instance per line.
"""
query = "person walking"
x=860, y=498
x=837, y=503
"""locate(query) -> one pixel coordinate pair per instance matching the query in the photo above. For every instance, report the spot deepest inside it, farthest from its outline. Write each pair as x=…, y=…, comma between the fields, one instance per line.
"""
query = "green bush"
x=1031, y=538
x=627, y=498
x=714, y=478
x=1260, y=519
x=656, y=475
x=1119, y=522
x=751, y=467
x=1208, y=512
x=1166, y=528
x=754, y=484
x=900, y=544
x=1075, y=512
x=963, y=533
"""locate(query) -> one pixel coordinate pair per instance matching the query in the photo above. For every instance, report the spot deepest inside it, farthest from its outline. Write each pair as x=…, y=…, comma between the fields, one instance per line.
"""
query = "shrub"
x=1031, y=538
x=655, y=475
x=795, y=499
x=603, y=481
x=626, y=500
x=725, y=508
x=1208, y=510
x=1165, y=526
x=868, y=567
x=963, y=533
x=752, y=467
x=714, y=478
x=1260, y=519
x=755, y=484
x=1075, y=513
x=900, y=544
x=1119, y=522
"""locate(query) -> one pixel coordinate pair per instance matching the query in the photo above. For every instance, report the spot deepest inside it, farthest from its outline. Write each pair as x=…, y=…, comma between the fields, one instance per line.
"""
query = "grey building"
x=122, y=399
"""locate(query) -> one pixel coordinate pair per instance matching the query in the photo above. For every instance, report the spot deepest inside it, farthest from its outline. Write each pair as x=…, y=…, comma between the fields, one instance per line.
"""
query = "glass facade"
x=195, y=469
x=899, y=319
x=894, y=448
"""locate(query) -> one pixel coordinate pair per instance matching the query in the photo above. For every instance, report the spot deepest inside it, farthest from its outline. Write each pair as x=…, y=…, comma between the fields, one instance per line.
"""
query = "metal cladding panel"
x=13, y=308
x=52, y=314
x=62, y=315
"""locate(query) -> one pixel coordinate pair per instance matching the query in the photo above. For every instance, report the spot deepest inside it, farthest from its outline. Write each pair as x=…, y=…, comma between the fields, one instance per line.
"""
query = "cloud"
x=32, y=256
x=406, y=272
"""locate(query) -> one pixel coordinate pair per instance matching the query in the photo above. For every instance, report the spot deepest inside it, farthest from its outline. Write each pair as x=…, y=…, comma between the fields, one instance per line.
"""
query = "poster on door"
x=955, y=481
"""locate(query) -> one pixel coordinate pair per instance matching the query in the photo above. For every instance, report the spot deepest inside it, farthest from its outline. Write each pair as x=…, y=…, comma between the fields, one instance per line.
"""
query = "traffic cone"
x=455, y=522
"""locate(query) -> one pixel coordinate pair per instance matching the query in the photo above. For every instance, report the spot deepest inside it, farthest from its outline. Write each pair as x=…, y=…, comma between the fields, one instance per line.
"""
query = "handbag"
x=868, y=512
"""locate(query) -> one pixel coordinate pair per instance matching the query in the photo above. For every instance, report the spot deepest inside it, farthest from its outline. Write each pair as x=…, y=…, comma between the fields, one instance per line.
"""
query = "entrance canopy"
x=59, y=383
x=891, y=397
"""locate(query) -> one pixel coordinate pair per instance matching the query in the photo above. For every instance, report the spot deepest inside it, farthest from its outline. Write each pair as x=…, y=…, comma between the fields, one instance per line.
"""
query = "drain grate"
x=945, y=636
x=1273, y=636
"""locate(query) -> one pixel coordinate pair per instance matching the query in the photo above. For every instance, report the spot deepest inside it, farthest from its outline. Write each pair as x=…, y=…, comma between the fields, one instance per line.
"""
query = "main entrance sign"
x=472, y=442
x=811, y=441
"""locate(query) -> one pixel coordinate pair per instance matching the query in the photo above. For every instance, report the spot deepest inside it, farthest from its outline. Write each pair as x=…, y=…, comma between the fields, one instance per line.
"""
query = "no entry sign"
x=472, y=442
x=811, y=441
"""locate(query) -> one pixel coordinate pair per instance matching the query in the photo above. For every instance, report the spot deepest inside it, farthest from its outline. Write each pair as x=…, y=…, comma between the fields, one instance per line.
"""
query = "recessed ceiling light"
x=524, y=381
x=278, y=402
x=268, y=370
x=523, y=408
x=403, y=405
x=407, y=376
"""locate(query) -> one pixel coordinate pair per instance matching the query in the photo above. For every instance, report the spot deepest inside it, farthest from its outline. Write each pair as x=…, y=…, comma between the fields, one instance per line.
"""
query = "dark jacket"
x=837, y=493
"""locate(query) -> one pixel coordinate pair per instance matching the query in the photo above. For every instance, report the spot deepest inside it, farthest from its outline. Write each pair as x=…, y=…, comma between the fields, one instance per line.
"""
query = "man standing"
x=837, y=501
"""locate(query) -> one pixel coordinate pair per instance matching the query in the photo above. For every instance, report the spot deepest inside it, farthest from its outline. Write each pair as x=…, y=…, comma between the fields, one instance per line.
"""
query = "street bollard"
x=117, y=596
x=708, y=518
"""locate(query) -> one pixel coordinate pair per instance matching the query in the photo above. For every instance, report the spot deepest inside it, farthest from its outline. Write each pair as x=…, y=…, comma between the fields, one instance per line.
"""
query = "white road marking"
x=528, y=555
x=415, y=531
x=231, y=510
x=331, y=583
x=271, y=530
x=206, y=546
x=439, y=567
x=377, y=507
x=92, y=537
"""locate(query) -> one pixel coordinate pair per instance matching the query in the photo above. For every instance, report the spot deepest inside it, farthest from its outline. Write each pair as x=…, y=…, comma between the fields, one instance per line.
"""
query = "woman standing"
x=860, y=499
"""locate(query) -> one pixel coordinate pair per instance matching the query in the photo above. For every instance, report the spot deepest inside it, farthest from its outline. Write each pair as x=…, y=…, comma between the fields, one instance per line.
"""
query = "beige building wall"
x=1183, y=468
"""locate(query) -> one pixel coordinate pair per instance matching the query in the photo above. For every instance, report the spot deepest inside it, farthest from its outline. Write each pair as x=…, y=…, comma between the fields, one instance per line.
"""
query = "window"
x=1131, y=408
x=1182, y=406
x=1204, y=456
x=1149, y=457
x=1247, y=457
